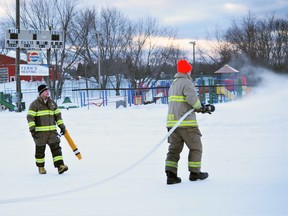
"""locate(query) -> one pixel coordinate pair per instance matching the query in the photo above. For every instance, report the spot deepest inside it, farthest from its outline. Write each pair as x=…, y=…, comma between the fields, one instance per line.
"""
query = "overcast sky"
x=192, y=19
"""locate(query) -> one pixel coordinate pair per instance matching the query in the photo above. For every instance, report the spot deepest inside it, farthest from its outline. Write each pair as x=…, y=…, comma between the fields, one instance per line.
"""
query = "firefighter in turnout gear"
x=182, y=98
x=43, y=118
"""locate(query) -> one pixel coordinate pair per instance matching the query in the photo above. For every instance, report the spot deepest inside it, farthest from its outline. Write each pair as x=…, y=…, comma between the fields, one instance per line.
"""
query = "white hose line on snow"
x=31, y=198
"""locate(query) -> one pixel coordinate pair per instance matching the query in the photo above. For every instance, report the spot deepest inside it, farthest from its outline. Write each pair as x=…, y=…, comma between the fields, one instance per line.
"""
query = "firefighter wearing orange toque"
x=182, y=98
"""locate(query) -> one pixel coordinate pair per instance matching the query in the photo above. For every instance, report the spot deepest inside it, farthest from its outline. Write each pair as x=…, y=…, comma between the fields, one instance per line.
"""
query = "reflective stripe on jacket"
x=43, y=116
x=182, y=98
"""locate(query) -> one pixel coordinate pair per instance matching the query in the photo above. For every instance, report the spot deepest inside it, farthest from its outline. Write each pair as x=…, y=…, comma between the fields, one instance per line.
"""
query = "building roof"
x=12, y=54
x=9, y=60
x=226, y=69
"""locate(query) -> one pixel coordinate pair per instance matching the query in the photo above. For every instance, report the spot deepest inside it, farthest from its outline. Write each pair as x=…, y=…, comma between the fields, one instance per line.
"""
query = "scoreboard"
x=34, y=39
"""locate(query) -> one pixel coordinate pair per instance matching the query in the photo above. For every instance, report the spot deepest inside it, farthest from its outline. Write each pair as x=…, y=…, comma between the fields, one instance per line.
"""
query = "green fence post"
x=239, y=87
x=203, y=93
x=210, y=92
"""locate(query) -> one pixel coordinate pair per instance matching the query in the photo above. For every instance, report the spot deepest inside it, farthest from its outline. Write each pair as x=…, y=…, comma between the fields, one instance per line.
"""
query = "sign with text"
x=34, y=70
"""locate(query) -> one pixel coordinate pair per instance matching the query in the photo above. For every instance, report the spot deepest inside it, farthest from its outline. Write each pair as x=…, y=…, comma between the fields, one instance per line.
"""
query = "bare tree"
x=264, y=37
x=82, y=40
x=279, y=51
x=5, y=25
x=244, y=35
x=147, y=53
x=250, y=40
x=263, y=41
x=116, y=32
x=216, y=51
x=50, y=15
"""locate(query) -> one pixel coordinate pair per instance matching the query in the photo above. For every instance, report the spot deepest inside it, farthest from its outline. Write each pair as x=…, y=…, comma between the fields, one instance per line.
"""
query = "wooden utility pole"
x=17, y=62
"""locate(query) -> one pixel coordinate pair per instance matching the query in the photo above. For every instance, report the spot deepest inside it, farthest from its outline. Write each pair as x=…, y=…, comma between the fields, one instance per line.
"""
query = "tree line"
x=135, y=50
x=126, y=48
x=250, y=40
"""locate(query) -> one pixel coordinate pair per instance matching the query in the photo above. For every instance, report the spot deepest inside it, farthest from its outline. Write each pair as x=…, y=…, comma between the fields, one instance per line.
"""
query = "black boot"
x=172, y=178
x=195, y=176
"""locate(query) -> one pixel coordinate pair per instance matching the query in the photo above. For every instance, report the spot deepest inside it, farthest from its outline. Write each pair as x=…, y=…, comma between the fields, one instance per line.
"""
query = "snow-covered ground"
x=122, y=172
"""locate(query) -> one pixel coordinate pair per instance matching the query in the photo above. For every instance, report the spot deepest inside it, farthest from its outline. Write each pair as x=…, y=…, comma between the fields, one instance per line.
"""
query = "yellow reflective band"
x=31, y=112
x=59, y=122
x=45, y=112
x=194, y=164
x=31, y=124
x=172, y=164
x=46, y=128
x=175, y=98
x=184, y=123
x=57, y=158
x=170, y=117
x=197, y=104
x=40, y=160
x=57, y=111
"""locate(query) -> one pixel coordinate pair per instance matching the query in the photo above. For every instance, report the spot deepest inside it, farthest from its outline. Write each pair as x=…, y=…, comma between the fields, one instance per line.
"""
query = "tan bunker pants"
x=192, y=138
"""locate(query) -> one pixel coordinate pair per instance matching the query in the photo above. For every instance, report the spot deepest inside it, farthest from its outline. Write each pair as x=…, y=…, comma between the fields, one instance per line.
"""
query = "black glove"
x=33, y=133
x=63, y=131
x=203, y=108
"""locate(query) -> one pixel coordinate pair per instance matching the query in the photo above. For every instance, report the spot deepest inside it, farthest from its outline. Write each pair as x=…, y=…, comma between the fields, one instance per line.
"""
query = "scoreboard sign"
x=34, y=39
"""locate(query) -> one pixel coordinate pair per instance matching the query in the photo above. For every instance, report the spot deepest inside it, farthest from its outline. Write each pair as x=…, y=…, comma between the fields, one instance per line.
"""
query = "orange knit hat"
x=183, y=66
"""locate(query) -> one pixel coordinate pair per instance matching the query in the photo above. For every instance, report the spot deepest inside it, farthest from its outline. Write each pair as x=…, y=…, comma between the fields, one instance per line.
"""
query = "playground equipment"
x=154, y=94
x=121, y=103
x=6, y=104
x=129, y=96
x=212, y=90
x=224, y=91
x=228, y=85
x=67, y=104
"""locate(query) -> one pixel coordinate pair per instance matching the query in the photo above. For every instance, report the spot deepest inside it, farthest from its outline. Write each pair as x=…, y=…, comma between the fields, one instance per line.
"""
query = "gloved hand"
x=63, y=131
x=202, y=109
x=208, y=108
x=33, y=133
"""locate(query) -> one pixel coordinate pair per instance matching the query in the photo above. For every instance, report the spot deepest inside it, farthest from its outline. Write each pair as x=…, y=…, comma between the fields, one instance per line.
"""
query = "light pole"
x=98, y=34
x=193, y=69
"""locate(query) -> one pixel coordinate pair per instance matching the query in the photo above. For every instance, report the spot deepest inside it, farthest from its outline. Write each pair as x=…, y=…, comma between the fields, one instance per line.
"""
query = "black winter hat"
x=42, y=88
